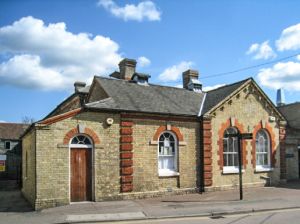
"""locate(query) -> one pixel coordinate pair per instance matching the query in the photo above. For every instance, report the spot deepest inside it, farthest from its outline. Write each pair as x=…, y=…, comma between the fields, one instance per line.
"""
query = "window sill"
x=262, y=170
x=168, y=173
x=231, y=171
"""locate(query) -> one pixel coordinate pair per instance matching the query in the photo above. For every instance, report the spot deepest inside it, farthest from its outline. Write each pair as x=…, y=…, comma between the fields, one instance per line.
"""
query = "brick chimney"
x=188, y=75
x=79, y=85
x=127, y=68
x=190, y=80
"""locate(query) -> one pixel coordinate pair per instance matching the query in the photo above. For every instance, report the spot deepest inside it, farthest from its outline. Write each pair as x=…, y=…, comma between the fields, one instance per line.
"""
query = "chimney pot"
x=79, y=85
x=127, y=68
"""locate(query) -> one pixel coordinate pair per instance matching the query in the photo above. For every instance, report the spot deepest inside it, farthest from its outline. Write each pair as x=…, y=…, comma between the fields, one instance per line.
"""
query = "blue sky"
x=46, y=45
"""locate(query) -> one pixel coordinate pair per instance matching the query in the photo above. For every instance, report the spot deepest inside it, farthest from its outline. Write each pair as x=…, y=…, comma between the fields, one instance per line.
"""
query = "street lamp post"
x=240, y=137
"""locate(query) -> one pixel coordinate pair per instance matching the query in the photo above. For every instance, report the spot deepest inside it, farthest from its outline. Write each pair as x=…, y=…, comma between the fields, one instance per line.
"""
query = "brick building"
x=11, y=150
x=292, y=115
x=123, y=137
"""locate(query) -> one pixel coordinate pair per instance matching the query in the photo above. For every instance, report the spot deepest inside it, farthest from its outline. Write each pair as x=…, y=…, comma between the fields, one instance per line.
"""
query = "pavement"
x=14, y=209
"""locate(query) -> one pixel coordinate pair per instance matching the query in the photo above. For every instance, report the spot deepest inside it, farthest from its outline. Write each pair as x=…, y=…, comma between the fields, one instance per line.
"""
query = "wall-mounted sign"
x=2, y=165
x=289, y=155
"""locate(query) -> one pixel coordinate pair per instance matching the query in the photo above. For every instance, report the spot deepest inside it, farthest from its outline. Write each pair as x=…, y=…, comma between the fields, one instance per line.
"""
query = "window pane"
x=167, y=135
x=80, y=138
x=166, y=163
x=161, y=138
x=87, y=141
x=259, y=159
x=265, y=159
x=236, y=161
x=225, y=159
x=173, y=147
x=225, y=145
x=171, y=138
x=230, y=160
x=7, y=145
x=235, y=145
x=230, y=145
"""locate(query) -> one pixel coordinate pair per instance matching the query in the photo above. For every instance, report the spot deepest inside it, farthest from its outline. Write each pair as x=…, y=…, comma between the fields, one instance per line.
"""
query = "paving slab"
x=105, y=217
x=206, y=204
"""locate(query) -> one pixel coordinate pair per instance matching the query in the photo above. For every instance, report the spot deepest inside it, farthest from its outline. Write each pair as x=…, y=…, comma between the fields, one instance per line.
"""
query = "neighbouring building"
x=292, y=114
x=11, y=150
x=124, y=138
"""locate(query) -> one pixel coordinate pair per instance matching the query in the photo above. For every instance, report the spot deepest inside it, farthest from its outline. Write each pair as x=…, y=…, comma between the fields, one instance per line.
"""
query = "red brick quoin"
x=270, y=131
x=207, y=152
x=221, y=131
x=126, y=156
x=282, y=136
x=73, y=132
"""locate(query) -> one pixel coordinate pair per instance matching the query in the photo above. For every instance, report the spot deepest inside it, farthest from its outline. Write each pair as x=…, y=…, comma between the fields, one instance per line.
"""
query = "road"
x=291, y=216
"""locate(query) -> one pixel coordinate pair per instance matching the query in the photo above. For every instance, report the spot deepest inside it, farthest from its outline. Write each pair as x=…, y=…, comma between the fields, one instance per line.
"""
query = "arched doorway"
x=81, y=148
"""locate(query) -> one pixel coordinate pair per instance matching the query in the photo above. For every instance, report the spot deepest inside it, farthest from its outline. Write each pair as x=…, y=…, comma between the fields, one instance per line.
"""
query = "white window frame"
x=230, y=169
x=168, y=172
x=259, y=167
x=9, y=145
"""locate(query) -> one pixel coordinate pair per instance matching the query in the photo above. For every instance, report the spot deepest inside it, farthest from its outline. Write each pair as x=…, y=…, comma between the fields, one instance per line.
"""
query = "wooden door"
x=81, y=187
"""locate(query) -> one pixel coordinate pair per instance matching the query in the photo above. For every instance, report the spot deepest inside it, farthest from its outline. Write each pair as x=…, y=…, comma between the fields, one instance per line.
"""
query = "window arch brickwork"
x=163, y=128
x=70, y=134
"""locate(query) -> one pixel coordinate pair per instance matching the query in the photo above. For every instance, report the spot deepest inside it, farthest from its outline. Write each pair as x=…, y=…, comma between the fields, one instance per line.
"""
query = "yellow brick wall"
x=145, y=156
x=28, y=170
x=249, y=109
x=53, y=164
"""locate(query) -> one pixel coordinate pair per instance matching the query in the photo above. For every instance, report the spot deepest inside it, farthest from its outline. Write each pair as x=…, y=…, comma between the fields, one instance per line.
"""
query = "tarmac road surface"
x=288, y=216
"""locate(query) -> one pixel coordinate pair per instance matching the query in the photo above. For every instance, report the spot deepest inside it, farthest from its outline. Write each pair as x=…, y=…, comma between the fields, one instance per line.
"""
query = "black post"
x=240, y=166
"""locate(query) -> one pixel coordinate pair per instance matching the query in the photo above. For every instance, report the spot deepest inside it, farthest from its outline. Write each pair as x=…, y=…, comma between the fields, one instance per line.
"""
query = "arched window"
x=167, y=154
x=230, y=151
x=263, y=150
x=81, y=141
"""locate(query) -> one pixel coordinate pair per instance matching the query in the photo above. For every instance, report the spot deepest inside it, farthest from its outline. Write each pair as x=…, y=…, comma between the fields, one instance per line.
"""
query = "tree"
x=27, y=120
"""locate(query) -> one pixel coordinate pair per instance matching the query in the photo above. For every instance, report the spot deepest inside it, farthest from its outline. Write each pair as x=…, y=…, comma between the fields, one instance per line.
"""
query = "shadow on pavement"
x=292, y=184
x=13, y=201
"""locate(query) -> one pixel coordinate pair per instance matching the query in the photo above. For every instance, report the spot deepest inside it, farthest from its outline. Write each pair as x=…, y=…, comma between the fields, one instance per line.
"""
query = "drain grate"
x=217, y=217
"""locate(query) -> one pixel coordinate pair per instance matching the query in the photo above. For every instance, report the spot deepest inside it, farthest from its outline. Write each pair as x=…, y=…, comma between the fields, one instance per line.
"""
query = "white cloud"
x=208, y=88
x=282, y=75
x=50, y=57
x=145, y=10
x=143, y=61
x=261, y=51
x=289, y=39
x=1, y=121
x=174, y=72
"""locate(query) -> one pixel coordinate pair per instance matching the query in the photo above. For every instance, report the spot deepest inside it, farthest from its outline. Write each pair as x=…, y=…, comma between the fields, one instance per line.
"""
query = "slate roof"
x=12, y=131
x=215, y=96
x=291, y=112
x=130, y=96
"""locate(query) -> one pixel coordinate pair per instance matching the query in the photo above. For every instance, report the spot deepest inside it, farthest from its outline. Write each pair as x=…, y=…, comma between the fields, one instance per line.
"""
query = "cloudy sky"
x=47, y=45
